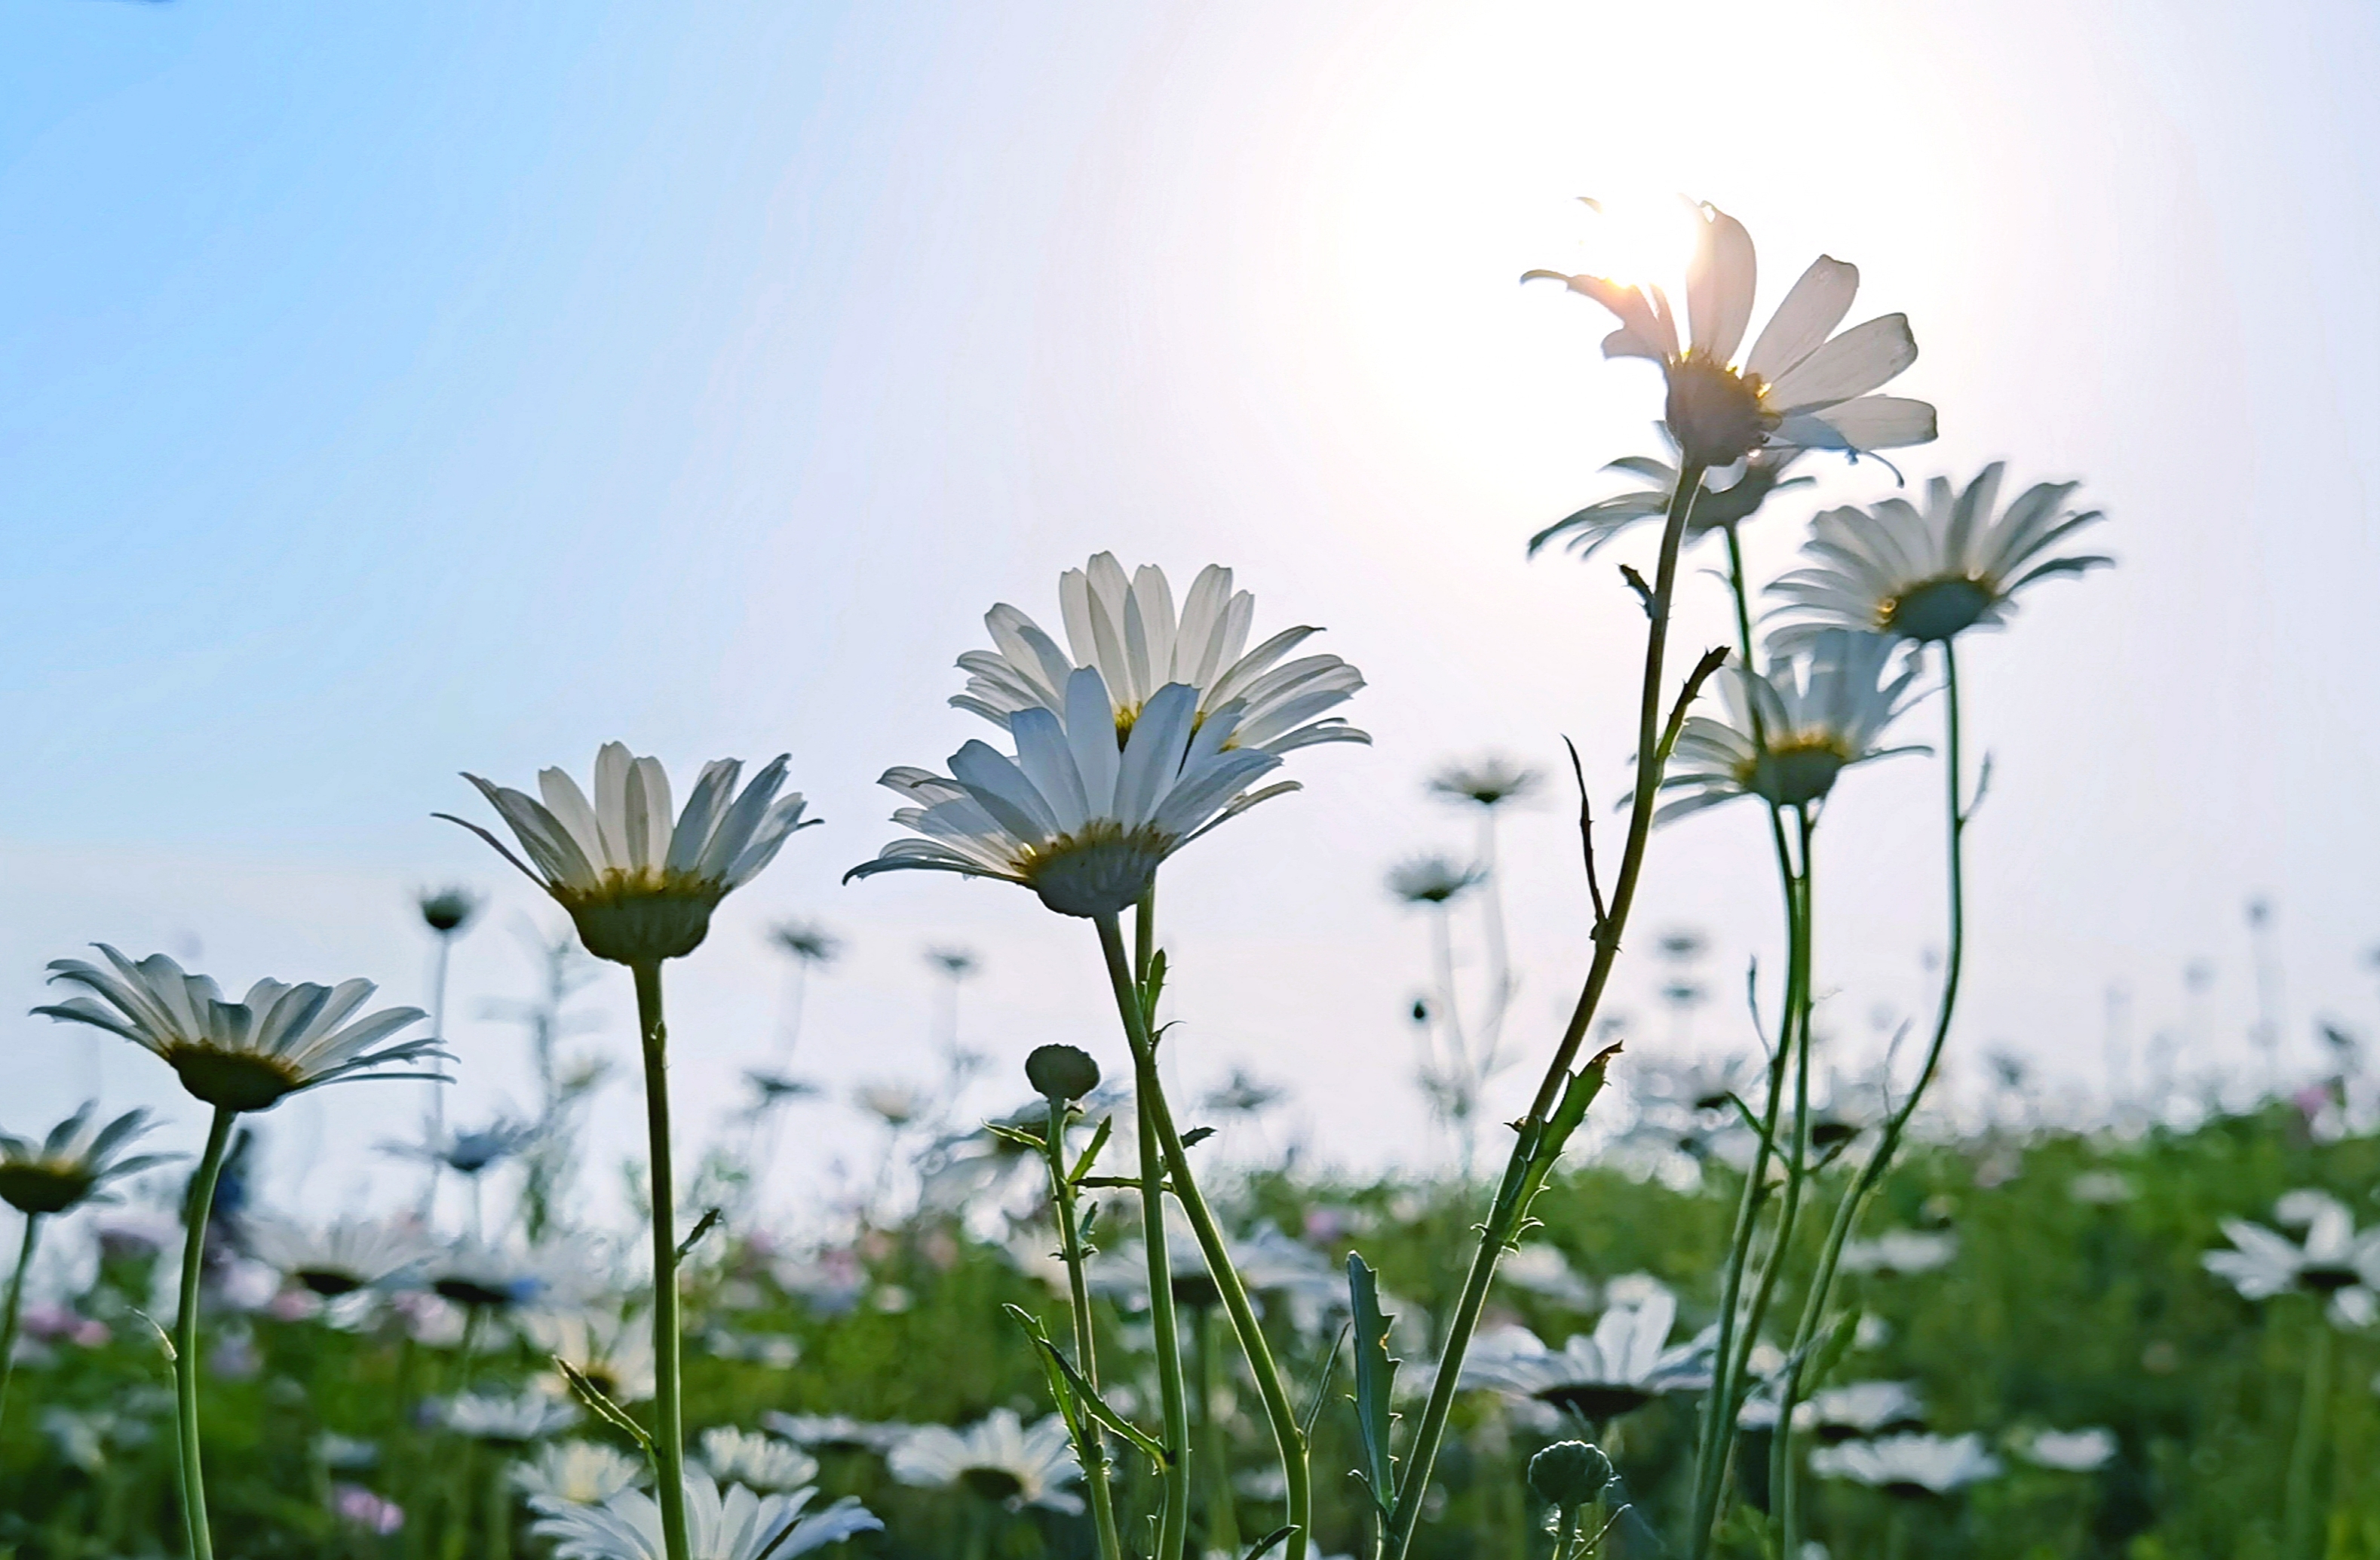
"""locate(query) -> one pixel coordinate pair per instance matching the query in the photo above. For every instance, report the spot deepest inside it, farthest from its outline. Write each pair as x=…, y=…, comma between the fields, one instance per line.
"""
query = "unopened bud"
x=1569, y=1473
x=1061, y=1072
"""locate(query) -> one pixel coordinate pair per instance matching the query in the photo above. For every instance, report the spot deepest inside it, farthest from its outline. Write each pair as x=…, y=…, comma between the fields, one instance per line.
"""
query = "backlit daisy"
x=1911, y=1467
x=1928, y=574
x=1080, y=824
x=565, y=1473
x=1730, y=496
x=2335, y=1263
x=1625, y=1364
x=1127, y=630
x=1000, y=1458
x=507, y=1420
x=639, y=886
x=737, y=1456
x=611, y=1352
x=73, y=1165
x=338, y=1259
x=732, y=1524
x=1816, y=716
x=1800, y=386
x=245, y=1055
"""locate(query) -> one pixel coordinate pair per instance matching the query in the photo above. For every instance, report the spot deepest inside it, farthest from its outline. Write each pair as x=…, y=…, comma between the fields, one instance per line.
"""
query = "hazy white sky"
x=389, y=393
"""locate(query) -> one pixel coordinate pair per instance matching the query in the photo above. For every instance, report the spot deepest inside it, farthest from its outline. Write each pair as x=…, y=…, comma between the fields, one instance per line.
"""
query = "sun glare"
x=1638, y=238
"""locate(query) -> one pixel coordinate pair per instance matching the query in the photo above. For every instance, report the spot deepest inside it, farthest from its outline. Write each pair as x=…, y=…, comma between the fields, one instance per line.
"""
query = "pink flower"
x=354, y=1504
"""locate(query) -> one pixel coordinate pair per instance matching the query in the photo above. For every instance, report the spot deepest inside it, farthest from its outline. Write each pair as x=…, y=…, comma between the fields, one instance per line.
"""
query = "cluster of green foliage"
x=2055, y=1312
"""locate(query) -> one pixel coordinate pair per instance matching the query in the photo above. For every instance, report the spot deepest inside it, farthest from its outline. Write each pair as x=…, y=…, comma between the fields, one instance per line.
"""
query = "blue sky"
x=388, y=392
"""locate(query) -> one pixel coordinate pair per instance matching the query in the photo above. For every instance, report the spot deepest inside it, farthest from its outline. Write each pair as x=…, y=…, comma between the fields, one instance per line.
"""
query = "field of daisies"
x=1761, y=1307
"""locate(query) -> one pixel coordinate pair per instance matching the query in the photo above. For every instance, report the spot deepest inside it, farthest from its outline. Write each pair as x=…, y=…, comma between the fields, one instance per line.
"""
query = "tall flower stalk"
x=1150, y=729
x=640, y=883
x=1799, y=386
x=234, y=1056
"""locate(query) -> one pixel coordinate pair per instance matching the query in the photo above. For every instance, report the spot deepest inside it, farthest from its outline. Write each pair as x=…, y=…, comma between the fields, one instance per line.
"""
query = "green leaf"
x=1195, y=1136
x=1086, y=1396
x=1376, y=1375
x=1091, y=1152
x=1022, y=1139
x=1322, y=1383
x=601, y=1406
x=1269, y=1543
x=710, y=1220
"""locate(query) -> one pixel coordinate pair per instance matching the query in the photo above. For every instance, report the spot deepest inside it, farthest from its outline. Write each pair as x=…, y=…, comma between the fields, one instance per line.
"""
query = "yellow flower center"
x=1718, y=415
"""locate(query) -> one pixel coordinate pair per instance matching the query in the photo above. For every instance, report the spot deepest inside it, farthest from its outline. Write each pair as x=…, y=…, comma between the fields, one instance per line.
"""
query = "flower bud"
x=1060, y=1073
x=1569, y=1473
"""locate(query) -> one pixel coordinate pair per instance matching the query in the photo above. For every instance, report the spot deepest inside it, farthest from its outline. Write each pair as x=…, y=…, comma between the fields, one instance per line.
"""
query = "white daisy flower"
x=2335, y=1263
x=1625, y=1364
x=612, y=1351
x=836, y=1432
x=338, y=1259
x=1128, y=631
x=467, y=1151
x=1932, y=573
x=1913, y=1466
x=737, y=1456
x=245, y=1055
x=1817, y=717
x=500, y=1277
x=734, y=1524
x=1082, y=825
x=1730, y=496
x=508, y=1422
x=639, y=887
x=1900, y=1251
x=1490, y=781
x=1862, y=1409
x=1800, y=387
x=2070, y=1451
x=1430, y=880
x=998, y=1458
x=565, y=1473
x=73, y=1165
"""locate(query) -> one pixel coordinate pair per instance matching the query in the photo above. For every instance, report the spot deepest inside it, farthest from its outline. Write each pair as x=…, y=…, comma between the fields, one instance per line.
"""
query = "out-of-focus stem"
x=2313, y=1409
x=15, y=1306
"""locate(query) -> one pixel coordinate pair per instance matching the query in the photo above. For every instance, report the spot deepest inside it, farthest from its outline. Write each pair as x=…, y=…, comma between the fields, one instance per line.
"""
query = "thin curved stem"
x=1502, y=1225
x=669, y=1408
x=1732, y=1358
x=1091, y=1444
x=1896, y=1125
x=1780, y=1449
x=15, y=1306
x=1288, y=1438
x=185, y=1330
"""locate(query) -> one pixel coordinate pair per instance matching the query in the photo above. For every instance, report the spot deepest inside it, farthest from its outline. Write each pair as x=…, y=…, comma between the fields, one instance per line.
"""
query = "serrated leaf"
x=1022, y=1139
x=1085, y=1396
x=1376, y=1375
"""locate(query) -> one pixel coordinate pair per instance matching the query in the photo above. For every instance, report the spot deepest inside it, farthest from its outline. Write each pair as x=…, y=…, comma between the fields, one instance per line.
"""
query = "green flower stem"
x=2298, y=1505
x=669, y=1413
x=185, y=1330
x=1780, y=1446
x=1090, y=1446
x=500, y=1512
x=1173, y=1515
x=1222, y=1522
x=1737, y=1340
x=1288, y=1438
x=1533, y=1155
x=1566, y=1535
x=15, y=1306
x=1871, y=1174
